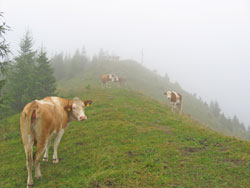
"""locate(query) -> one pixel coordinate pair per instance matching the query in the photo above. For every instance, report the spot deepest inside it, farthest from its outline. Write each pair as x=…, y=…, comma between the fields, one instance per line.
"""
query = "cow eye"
x=73, y=107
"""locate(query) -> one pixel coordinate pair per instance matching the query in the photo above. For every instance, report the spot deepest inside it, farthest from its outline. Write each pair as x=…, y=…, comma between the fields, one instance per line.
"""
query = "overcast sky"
x=203, y=45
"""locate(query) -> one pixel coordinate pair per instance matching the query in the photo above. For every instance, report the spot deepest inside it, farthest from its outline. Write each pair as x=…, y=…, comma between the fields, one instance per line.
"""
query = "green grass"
x=141, y=79
x=130, y=140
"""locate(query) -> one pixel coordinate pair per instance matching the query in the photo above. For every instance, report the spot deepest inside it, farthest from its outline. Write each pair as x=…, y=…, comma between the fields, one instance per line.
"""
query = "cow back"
x=173, y=97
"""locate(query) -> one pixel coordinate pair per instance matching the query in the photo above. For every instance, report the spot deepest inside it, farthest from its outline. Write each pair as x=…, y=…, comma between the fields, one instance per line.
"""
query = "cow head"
x=168, y=94
x=77, y=109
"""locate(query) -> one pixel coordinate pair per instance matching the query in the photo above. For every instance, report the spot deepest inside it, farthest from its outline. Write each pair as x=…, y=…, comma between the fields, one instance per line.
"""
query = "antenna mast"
x=142, y=56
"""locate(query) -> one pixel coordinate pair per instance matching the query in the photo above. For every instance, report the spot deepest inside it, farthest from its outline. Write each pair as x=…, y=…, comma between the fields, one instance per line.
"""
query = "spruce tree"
x=77, y=63
x=22, y=78
x=46, y=82
x=4, y=51
x=4, y=47
x=58, y=64
x=214, y=106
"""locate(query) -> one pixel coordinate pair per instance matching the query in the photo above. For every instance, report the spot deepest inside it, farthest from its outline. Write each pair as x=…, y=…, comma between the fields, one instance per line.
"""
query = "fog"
x=203, y=45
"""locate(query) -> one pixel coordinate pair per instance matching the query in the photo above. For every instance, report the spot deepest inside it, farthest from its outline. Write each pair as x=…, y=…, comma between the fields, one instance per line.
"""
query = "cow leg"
x=180, y=109
x=172, y=108
x=39, y=152
x=56, y=143
x=29, y=161
x=105, y=85
x=46, y=154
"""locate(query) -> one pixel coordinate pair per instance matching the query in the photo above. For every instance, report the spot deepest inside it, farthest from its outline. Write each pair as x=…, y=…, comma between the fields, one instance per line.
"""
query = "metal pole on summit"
x=142, y=56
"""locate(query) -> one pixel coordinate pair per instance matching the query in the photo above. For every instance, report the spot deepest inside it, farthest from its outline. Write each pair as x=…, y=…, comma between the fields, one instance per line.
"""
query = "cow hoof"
x=55, y=161
x=45, y=159
x=30, y=185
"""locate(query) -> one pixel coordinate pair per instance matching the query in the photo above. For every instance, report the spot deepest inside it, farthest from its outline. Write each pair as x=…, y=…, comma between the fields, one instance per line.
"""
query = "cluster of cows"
x=107, y=79
x=40, y=120
x=174, y=98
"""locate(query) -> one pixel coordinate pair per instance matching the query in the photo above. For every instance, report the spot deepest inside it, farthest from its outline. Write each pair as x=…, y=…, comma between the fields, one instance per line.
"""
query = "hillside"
x=129, y=140
x=140, y=79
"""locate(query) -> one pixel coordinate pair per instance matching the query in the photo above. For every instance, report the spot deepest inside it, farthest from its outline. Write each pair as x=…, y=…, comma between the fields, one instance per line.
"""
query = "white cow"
x=175, y=100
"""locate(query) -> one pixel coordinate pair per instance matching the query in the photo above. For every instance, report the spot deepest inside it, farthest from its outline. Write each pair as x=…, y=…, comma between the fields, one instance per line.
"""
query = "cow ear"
x=87, y=102
x=68, y=108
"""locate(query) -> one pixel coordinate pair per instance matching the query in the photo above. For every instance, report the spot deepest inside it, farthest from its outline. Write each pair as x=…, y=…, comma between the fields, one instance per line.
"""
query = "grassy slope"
x=143, y=80
x=130, y=140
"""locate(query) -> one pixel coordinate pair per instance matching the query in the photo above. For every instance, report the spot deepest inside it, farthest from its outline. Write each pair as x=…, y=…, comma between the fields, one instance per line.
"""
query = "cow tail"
x=31, y=115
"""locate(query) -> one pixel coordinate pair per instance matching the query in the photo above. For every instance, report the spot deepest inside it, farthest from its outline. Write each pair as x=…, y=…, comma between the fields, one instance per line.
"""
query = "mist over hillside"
x=131, y=138
x=203, y=45
x=79, y=71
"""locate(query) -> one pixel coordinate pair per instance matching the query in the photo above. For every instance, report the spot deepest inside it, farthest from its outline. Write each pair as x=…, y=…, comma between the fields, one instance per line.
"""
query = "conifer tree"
x=58, y=64
x=22, y=78
x=4, y=51
x=46, y=82
x=4, y=47
x=214, y=106
x=77, y=63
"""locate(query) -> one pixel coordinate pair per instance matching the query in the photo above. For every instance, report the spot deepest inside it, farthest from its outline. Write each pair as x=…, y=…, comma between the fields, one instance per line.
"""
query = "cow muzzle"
x=82, y=118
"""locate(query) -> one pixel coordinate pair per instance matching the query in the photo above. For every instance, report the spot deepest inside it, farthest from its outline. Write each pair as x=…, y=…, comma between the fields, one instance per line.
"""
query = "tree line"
x=27, y=77
x=232, y=126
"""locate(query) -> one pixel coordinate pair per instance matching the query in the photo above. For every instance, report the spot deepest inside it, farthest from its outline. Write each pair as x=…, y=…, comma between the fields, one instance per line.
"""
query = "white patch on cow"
x=78, y=109
x=82, y=114
x=110, y=76
x=55, y=100
x=56, y=143
x=30, y=140
x=116, y=79
x=44, y=102
x=169, y=94
x=47, y=145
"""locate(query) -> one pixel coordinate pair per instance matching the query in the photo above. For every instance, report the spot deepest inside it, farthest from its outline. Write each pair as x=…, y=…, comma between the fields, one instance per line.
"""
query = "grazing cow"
x=175, y=100
x=119, y=80
x=106, y=78
x=40, y=120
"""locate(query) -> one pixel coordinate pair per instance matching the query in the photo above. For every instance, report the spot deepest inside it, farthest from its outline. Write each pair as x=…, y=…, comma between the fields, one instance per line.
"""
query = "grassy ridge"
x=130, y=140
x=141, y=79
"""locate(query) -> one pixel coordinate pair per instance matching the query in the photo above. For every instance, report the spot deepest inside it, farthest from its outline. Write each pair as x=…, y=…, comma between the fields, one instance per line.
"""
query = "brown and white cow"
x=106, y=79
x=175, y=100
x=40, y=120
